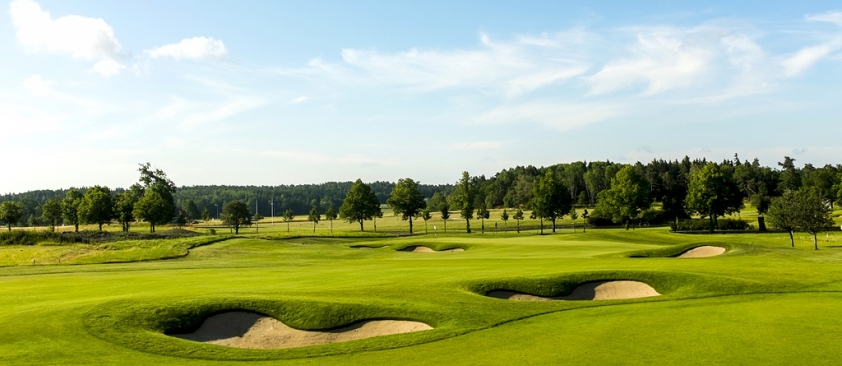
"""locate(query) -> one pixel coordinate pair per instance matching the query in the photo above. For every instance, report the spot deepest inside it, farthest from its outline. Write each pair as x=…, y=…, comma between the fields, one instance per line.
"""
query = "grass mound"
x=670, y=284
x=677, y=250
x=144, y=326
x=598, y=290
x=429, y=247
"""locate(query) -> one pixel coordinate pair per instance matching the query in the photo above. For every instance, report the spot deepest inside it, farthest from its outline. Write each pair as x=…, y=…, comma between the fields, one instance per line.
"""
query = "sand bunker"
x=600, y=290
x=244, y=329
x=423, y=249
x=703, y=252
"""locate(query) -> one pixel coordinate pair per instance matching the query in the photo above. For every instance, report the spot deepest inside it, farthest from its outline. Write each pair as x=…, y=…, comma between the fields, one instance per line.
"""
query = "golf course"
x=354, y=299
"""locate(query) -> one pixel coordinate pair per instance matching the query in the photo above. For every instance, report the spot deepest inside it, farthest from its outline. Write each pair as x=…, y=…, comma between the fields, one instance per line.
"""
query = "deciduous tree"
x=70, y=207
x=426, y=216
x=97, y=206
x=463, y=199
x=627, y=197
x=10, y=212
x=360, y=204
x=518, y=216
x=445, y=214
x=406, y=200
x=288, y=217
x=550, y=198
x=314, y=216
x=814, y=214
x=330, y=215
x=51, y=212
x=236, y=214
x=712, y=193
x=783, y=213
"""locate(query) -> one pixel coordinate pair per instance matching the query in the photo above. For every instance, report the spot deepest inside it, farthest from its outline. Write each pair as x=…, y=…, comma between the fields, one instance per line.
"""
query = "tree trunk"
x=445, y=226
x=815, y=242
x=482, y=226
x=791, y=240
x=712, y=223
x=468, y=225
x=361, y=225
x=287, y=226
x=77, y=227
x=518, y=226
x=314, y=227
x=151, y=227
x=236, y=229
x=542, y=226
x=574, y=227
x=761, y=224
x=426, y=232
x=410, y=225
x=627, y=224
x=331, y=227
x=100, y=227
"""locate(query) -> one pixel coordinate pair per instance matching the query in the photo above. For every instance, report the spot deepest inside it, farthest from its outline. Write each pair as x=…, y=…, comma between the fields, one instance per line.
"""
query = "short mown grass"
x=760, y=303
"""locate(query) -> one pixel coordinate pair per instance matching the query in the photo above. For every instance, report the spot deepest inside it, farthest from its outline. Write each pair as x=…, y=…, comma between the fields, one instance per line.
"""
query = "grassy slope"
x=317, y=283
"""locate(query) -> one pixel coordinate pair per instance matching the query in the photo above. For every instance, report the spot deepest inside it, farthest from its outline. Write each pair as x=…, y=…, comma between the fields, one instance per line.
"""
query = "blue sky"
x=267, y=93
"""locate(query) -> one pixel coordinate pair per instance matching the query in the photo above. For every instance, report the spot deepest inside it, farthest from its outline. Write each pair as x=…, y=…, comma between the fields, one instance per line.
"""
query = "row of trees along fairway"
x=804, y=209
x=657, y=192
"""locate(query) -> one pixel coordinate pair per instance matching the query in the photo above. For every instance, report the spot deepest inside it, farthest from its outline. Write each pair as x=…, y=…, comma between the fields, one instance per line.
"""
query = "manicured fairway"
x=759, y=303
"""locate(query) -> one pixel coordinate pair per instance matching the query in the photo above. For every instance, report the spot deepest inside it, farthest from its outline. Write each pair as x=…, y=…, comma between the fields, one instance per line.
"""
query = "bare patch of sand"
x=599, y=290
x=244, y=329
x=703, y=252
x=423, y=249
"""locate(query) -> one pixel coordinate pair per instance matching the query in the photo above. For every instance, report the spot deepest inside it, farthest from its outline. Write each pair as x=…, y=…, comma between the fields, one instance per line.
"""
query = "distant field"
x=759, y=303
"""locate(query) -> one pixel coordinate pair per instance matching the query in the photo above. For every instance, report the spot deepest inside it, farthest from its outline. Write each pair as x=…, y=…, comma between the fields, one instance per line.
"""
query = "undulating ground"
x=761, y=302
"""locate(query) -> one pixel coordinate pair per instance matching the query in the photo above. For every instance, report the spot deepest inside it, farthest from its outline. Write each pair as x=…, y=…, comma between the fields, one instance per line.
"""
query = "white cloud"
x=834, y=17
x=108, y=67
x=513, y=68
x=196, y=48
x=37, y=85
x=300, y=99
x=664, y=59
x=191, y=114
x=806, y=57
x=77, y=36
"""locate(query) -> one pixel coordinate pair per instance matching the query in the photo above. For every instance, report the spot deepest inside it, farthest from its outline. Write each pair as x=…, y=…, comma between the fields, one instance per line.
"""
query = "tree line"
x=617, y=193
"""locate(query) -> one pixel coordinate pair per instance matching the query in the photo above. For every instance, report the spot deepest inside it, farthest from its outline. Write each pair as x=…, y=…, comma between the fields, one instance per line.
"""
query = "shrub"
x=704, y=225
x=25, y=237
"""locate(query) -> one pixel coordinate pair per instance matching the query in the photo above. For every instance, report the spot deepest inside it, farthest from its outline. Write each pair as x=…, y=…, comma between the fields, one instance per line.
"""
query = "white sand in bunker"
x=423, y=249
x=703, y=252
x=244, y=329
x=599, y=290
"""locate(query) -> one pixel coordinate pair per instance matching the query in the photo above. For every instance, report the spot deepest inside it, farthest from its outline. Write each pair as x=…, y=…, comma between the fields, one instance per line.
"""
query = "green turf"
x=760, y=303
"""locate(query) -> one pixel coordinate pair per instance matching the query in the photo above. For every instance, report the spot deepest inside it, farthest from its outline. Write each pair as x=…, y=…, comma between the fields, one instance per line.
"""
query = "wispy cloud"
x=196, y=48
